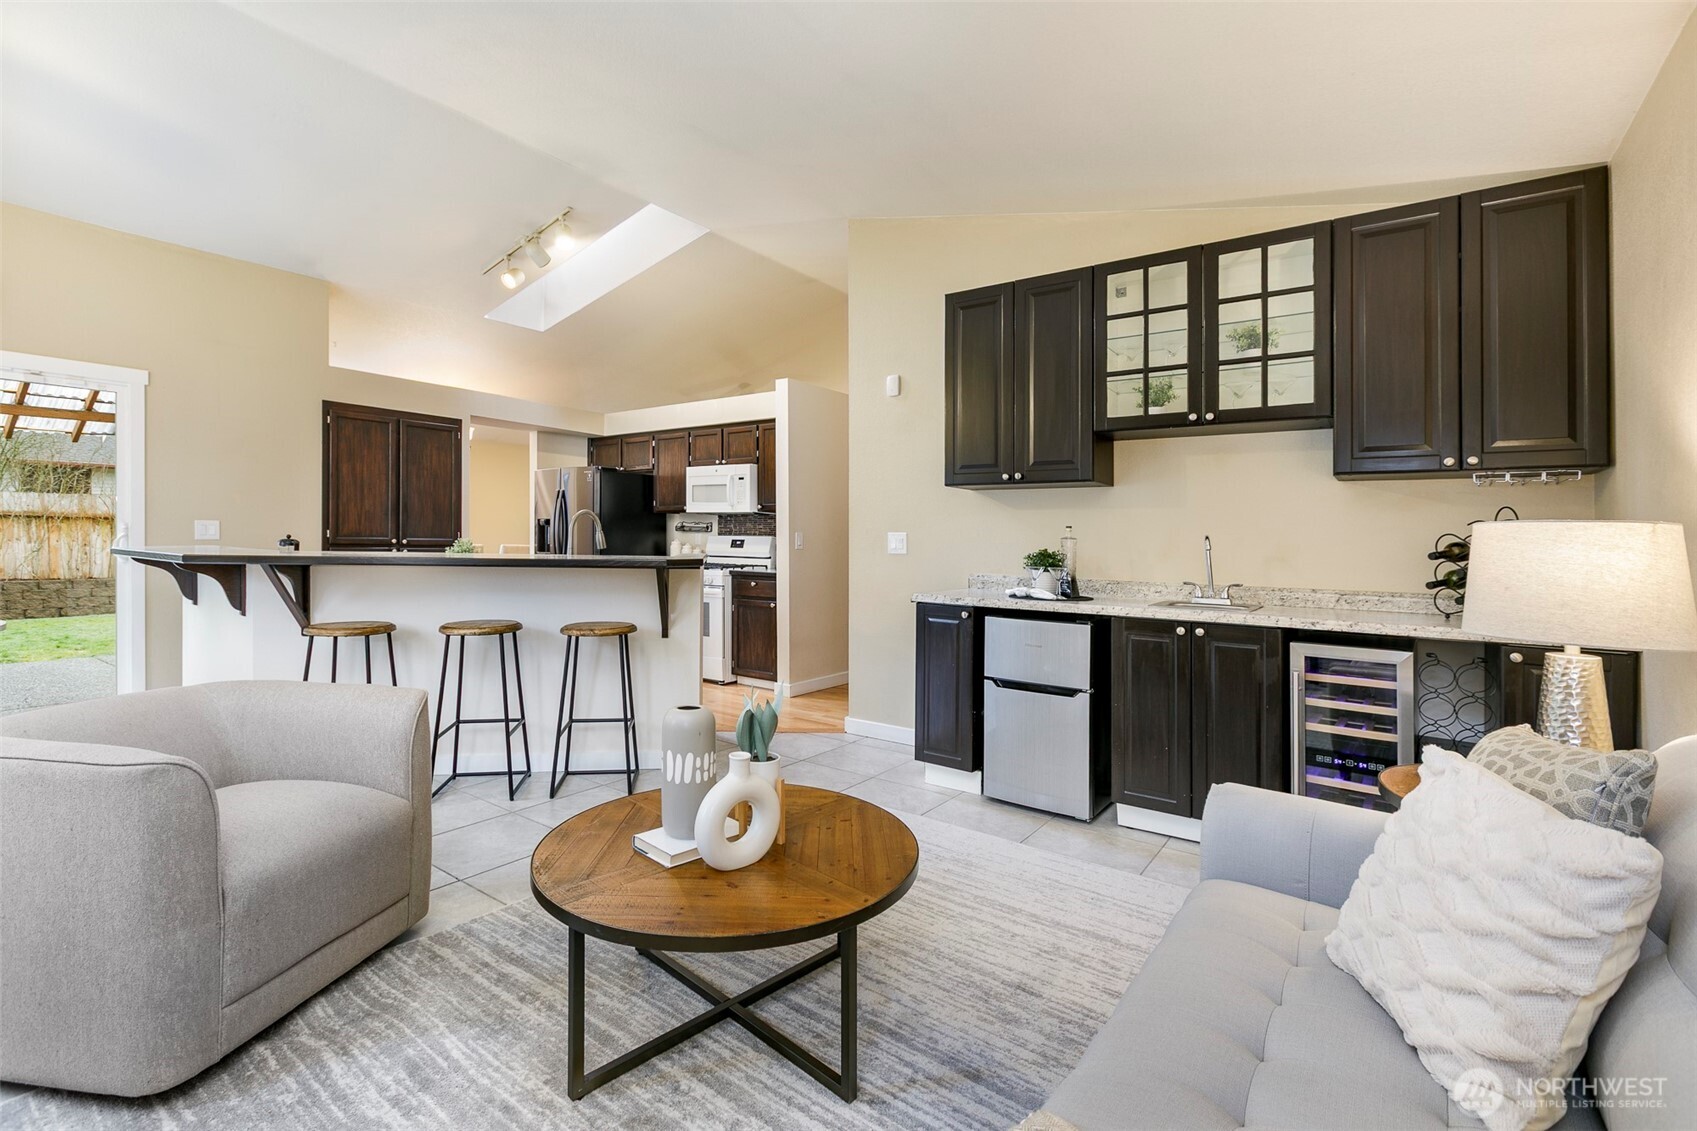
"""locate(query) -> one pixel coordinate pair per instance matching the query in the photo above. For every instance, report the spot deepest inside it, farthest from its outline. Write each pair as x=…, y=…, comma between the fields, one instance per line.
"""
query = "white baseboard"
x=955, y=779
x=818, y=683
x=1186, y=828
x=866, y=728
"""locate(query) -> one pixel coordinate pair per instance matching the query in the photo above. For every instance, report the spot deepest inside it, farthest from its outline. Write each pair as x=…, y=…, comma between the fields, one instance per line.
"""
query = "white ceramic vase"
x=1044, y=579
x=689, y=767
x=736, y=787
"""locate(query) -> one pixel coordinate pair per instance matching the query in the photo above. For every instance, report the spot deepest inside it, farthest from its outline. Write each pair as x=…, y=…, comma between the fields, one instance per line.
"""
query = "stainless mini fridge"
x=1040, y=736
x=1352, y=717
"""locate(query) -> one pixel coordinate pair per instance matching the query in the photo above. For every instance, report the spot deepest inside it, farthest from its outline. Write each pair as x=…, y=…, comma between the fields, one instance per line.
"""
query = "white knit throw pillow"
x=1493, y=929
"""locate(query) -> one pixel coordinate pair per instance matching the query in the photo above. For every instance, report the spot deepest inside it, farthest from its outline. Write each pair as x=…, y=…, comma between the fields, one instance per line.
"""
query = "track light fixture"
x=560, y=242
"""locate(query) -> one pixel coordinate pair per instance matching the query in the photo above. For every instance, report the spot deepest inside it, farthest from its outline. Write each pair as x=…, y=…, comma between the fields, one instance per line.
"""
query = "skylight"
x=616, y=258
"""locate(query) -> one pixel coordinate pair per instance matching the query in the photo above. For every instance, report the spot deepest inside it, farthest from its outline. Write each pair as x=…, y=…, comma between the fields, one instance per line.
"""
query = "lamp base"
x=1573, y=705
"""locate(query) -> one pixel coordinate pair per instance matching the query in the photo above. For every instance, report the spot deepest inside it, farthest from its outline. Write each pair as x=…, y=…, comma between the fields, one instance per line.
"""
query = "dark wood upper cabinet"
x=1237, y=728
x=1019, y=376
x=978, y=387
x=1267, y=306
x=706, y=446
x=1397, y=360
x=948, y=696
x=1149, y=345
x=1150, y=729
x=742, y=443
x=767, y=480
x=671, y=464
x=1535, y=317
x=391, y=479
x=1519, y=669
x=361, y=478
x=606, y=451
x=636, y=453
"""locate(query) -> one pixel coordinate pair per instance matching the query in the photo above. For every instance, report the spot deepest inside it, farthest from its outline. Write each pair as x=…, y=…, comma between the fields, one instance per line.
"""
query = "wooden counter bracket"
x=298, y=600
x=232, y=578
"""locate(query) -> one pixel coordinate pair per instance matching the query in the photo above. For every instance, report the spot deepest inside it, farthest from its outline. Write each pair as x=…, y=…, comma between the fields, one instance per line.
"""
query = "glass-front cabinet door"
x=1267, y=303
x=1149, y=355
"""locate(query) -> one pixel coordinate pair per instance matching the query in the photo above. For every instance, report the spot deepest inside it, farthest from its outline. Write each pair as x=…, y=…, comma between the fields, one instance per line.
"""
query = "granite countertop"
x=1373, y=614
x=245, y=555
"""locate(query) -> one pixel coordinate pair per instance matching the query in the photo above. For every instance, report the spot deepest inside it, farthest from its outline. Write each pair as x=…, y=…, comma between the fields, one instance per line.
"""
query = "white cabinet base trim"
x=866, y=728
x=1131, y=817
x=955, y=779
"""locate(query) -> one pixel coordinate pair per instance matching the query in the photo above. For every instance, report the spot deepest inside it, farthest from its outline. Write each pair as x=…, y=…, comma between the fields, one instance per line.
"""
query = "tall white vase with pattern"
x=738, y=786
x=689, y=767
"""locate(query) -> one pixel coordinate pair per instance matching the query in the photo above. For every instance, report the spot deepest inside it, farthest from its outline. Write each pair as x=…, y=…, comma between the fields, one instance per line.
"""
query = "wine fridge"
x=1352, y=716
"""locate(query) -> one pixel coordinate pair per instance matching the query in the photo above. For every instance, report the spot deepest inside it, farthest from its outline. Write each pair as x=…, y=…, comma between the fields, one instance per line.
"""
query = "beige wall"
x=694, y=414
x=1654, y=201
x=498, y=494
x=813, y=646
x=1276, y=514
x=236, y=358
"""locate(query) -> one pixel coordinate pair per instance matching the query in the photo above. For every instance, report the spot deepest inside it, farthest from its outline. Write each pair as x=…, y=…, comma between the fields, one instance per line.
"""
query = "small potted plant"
x=1045, y=567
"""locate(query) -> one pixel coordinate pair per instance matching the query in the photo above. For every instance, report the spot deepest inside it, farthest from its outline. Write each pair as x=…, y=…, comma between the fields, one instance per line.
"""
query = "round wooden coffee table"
x=844, y=861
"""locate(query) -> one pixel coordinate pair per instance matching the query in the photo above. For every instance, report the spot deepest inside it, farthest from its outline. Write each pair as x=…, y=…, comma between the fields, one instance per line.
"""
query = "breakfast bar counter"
x=245, y=608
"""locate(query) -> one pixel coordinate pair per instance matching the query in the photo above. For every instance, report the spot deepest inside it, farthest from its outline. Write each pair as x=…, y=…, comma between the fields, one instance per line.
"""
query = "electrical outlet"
x=798, y=539
x=206, y=530
x=895, y=542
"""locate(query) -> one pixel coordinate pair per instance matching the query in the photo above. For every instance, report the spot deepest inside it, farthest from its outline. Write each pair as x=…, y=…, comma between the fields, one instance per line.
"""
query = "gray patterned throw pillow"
x=1610, y=789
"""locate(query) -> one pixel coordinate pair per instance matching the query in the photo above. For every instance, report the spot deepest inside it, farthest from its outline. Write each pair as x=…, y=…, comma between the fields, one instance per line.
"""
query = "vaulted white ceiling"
x=395, y=149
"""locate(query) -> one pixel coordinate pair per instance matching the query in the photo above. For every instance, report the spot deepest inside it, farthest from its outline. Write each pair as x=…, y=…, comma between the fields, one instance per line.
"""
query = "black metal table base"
x=732, y=1007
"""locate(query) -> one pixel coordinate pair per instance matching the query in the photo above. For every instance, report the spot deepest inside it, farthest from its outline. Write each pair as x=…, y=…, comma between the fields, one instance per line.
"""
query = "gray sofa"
x=1238, y=1018
x=180, y=868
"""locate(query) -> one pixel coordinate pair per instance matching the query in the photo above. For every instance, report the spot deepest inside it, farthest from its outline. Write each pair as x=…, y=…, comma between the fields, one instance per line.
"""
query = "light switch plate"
x=895, y=542
x=206, y=530
x=798, y=539
x=893, y=385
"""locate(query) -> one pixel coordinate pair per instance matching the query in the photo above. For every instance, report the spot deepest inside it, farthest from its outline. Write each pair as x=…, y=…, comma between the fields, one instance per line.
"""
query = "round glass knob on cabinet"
x=1006, y=476
x=1472, y=461
x=1193, y=416
x=964, y=613
x=1181, y=630
x=1207, y=416
x=1019, y=475
x=1515, y=658
x=1202, y=632
x=1449, y=461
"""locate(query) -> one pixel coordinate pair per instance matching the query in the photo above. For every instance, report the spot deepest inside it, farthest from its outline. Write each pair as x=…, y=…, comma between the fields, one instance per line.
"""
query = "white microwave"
x=726, y=488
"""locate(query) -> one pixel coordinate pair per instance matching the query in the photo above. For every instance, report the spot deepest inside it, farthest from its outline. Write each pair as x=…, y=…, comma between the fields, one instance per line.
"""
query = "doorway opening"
x=72, y=615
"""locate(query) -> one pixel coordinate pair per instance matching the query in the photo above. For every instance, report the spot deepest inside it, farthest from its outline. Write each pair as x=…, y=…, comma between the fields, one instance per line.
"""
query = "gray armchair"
x=180, y=868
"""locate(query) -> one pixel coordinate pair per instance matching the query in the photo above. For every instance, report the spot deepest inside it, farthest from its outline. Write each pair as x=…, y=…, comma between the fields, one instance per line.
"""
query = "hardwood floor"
x=820, y=711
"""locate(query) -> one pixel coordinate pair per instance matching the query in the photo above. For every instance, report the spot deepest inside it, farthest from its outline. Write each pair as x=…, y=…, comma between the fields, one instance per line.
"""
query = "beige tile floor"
x=483, y=840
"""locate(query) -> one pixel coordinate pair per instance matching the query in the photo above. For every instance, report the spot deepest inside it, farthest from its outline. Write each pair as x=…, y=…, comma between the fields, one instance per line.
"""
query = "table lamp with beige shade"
x=1620, y=585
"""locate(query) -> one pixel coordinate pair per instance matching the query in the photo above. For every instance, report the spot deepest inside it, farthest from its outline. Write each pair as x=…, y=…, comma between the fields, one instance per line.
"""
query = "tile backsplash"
x=753, y=524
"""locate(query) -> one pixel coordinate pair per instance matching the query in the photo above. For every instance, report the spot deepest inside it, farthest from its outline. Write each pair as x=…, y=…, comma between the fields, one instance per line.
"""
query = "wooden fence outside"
x=72, y=539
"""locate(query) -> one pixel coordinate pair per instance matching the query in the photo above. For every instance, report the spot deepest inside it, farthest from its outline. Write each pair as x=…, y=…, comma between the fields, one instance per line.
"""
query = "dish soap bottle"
x=1069, y=566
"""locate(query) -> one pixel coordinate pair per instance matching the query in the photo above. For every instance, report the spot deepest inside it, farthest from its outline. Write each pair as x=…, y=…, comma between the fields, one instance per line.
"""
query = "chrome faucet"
x=600, y=534
x=1207, y=595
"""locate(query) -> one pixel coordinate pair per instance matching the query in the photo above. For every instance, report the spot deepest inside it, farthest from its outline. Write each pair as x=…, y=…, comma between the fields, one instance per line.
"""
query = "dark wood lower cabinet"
x=754, y=626
x=1193, y=706
x=948, y=691
x=1519, y=669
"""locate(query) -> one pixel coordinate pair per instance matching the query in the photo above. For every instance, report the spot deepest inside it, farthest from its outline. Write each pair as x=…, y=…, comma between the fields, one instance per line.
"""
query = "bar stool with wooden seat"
x=339, y=630
x=500, y=629
x=575, y=635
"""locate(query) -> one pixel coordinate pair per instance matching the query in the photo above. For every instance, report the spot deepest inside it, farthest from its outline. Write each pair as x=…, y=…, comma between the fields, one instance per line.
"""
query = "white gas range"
x=727, y=554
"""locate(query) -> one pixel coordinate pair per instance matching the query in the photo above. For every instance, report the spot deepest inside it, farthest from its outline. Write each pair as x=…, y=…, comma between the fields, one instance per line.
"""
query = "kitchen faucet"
x=600, y=534
x=1207, y=595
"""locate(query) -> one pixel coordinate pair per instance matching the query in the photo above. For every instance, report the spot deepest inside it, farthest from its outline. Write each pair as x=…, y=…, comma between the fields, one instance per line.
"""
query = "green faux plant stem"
x=757, y=725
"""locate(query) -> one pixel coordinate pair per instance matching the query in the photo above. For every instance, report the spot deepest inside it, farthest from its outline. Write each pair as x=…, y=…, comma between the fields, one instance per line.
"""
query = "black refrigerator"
x=623, y=500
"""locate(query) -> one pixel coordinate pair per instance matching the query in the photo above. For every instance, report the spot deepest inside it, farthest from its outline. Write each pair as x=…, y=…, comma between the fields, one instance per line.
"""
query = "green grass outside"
x=58, y=638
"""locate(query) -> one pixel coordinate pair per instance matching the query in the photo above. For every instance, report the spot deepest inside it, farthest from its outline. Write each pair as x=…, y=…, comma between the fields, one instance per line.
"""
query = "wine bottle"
x=1449, y=552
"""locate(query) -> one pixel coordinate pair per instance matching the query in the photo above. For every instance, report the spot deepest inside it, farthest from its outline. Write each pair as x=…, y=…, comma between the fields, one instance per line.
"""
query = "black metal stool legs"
x=306, y=670
x=558, y=771
x=509, y=722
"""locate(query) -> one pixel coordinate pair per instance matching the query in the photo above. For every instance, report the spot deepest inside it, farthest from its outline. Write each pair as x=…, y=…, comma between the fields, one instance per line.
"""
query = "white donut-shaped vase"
x=733, y=789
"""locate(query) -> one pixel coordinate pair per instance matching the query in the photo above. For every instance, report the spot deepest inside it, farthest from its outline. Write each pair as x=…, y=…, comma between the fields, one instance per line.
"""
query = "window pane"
x=1290, y=323
x=1240, y=328
x=1125, y=292
x=1168, y=285
x=1125, y=396
x=1240, y=386
x=1125, y=344
x=1290, y=381
x=1169, y=338
x=1240, y=273
x=1290, y=265
x=1169, y=391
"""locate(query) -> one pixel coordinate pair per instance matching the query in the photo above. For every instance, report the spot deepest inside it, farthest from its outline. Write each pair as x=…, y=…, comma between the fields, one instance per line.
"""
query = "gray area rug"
x=978, y=992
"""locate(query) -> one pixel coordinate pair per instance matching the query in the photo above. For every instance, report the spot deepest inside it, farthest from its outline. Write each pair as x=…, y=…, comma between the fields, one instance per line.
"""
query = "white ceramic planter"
x=1044, y=579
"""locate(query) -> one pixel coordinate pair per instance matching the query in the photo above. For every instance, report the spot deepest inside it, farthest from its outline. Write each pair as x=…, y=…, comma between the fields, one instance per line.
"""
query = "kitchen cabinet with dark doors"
x=1149, y=355
x=948, y=687
x=1193, y=706
x=391, y=479
x=754, y=625
x=1472, y=332
x=1019, y=377
x=766, y=479
x=1519, y=673
x=670, y=455
x=671, y=464
x=606, y=451
x=732, y=443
